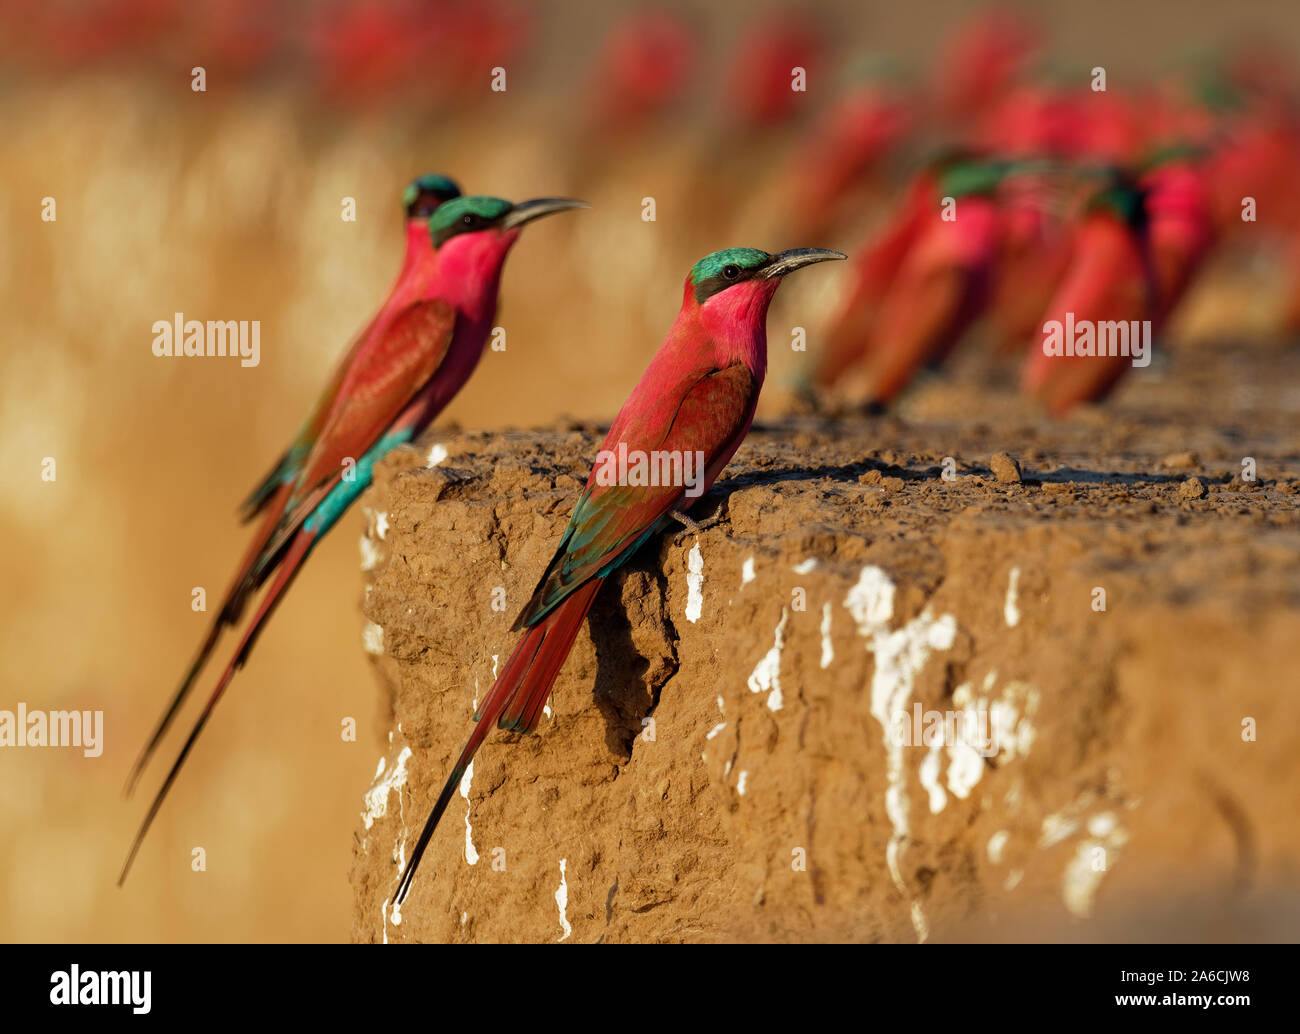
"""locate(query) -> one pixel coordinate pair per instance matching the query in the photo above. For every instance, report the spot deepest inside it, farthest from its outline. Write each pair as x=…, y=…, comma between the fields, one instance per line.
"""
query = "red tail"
x=515, y=701
x=293, y=559
x=232, y=606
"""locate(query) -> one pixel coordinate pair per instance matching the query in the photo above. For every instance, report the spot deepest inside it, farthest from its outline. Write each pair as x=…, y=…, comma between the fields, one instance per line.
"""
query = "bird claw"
x=691, y=524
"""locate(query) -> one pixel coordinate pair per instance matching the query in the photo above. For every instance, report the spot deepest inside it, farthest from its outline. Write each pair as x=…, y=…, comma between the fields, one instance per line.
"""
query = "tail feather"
x=292, y=564
x=514, y=702
x=267, y=488
x=524, y=706
x=232, y=607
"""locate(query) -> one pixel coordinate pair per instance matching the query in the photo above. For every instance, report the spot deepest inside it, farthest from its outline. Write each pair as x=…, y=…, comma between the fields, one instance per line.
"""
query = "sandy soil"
x=848, y=580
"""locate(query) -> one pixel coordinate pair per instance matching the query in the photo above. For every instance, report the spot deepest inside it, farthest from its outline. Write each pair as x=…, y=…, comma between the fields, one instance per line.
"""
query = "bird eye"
x=731, y=272
x=467, y=220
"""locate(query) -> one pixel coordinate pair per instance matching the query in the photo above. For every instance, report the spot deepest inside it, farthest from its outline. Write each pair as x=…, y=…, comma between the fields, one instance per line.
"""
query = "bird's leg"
x=691, y=524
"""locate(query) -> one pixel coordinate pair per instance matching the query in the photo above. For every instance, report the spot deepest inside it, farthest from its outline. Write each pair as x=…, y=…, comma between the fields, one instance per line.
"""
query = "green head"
x=723, y=269
x=968, y=178
x=479, y=212
x=425, y=194
x=1171, y=153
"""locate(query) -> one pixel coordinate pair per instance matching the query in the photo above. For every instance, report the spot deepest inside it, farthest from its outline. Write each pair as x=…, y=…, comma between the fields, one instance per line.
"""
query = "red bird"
x=1032, y=258
x=981, y=62
x=758, y=92
x=697, y=398
x=872, y=272
x=1180, y=225
x=940, y=287
x=1134, y=255
x=1109, y=278
x=645, y=67
x=845, y=150
x=410, y=362
x=414, y=285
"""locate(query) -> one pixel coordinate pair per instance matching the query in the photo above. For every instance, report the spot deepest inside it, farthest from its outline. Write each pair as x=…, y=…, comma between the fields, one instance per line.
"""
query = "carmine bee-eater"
x=697, y=396
x=421, y=199
x=940, y=285
x=645, y=66
x=1110, y=277
x=870, y=275
x=1140, y=245
x=1180, y=223
x=981, y=61
x=408, y=364
x=756, y=93
x=845, y=153
x=1032, y=257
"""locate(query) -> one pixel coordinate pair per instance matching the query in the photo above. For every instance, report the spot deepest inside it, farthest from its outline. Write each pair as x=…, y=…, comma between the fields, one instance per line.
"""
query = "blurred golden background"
x=225, y=204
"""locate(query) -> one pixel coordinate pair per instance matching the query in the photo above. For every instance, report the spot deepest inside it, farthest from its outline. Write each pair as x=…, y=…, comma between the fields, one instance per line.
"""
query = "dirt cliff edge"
x=887, y=697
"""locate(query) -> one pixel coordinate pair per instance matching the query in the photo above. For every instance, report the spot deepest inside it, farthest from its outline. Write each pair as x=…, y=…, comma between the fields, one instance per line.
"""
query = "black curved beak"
x=527, y=211
x=788, y=261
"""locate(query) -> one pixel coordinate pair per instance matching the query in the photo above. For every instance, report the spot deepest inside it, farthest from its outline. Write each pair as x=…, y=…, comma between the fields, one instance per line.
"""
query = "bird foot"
x=691, y=524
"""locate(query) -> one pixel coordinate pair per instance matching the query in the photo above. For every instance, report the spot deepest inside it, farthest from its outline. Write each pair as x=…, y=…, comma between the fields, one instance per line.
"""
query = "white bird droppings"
x=806, y=566
x=1102, y=825
x=742, y=781
x=767, y=673
x=1056, y=828
x=747, y=571
x=370, y=553
x=1011, y=609
x=715, y=730
x=471, y=855
x=828, y=651
x=989, y=727
x=919, y=924
x=377, y=795
x=562, y=902
x=871, y=600
x=930, y=781
x=1092, y=860
x=965, y=767
x=900, y=656
x=372, y=639
x=436, y=455
x=376, y=528
x=694, y=583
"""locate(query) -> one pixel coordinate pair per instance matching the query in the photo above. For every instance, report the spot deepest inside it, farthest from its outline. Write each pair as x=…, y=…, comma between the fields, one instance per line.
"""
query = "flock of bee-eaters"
x=697, y=396
x=1042, y=215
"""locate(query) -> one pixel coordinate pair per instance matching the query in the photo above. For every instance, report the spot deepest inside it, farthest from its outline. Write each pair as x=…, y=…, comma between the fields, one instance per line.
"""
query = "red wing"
x=610, y=521
x=289, y=464
x=373, y=394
